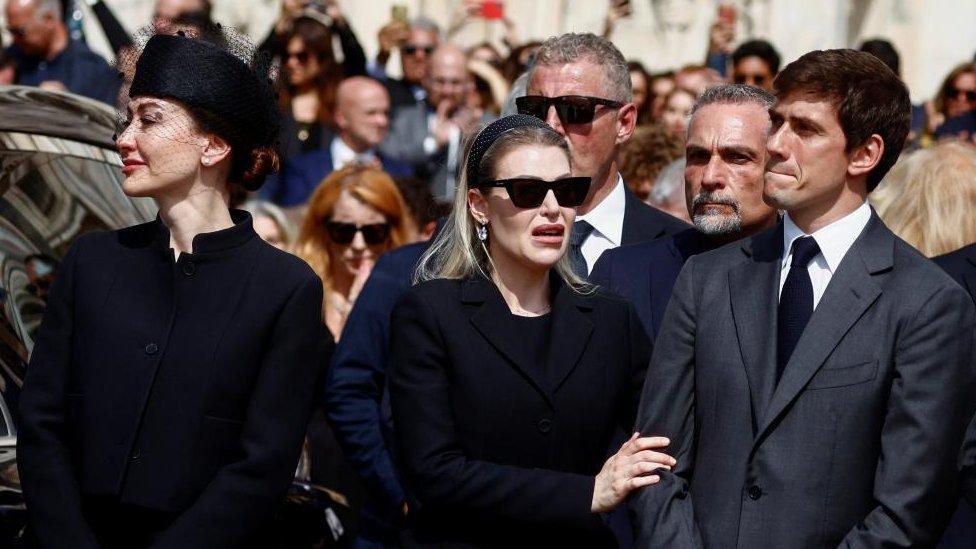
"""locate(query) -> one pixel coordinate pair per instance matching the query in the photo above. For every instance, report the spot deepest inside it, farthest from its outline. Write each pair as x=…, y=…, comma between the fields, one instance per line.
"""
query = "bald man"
x=362, y=121
x=428, y=135
x=46, y=56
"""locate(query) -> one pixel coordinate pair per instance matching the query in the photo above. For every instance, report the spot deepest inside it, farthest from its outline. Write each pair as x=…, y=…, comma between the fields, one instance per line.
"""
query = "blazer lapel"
x=969, y=277
x=571, y=331
x=850, y=292
x=752, y=288
x=491, y=321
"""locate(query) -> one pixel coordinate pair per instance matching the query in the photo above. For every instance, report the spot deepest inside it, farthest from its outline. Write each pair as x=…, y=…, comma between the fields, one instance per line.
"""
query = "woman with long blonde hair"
x=929, y=197
x=354, y=216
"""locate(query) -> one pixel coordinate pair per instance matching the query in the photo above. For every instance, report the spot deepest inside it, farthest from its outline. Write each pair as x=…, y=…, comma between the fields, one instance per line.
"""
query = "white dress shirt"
x=834, y=240
x=608, y=224
x=342, y=155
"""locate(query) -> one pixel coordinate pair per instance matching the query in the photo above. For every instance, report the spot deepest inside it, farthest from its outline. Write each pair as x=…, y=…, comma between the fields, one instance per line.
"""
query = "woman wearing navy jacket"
x=173, y=376
x=511, y=379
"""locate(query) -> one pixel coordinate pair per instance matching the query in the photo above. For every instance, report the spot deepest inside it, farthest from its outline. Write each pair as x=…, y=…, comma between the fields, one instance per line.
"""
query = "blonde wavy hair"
x=456, y=252
x=369, y=185
x=929, y=198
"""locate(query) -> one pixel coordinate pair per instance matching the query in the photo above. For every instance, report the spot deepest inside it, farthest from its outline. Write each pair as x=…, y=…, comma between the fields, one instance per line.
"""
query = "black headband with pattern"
x=487, y=136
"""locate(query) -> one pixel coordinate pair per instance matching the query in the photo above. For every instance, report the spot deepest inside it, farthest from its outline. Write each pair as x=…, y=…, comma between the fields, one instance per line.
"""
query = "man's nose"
x=552, y=118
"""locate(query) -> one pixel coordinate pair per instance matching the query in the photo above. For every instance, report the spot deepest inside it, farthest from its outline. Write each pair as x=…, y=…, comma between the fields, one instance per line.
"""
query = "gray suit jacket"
x=857, y=444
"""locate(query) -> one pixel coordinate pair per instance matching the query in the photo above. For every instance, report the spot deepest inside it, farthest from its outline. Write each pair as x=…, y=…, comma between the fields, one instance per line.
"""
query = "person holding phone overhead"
x=511, y=378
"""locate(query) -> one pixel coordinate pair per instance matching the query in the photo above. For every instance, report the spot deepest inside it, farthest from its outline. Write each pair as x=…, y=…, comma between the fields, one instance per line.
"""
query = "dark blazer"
x=400, y=93
x=493, y=453
x=356, y=391
x=857, y=444
x=305, y=172
x=644, y=274
x=180, y=388
x=961, y=533
x=643, y=223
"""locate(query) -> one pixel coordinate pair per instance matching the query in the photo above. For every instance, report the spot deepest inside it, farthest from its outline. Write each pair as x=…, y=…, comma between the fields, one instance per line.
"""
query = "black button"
x=151, y=349
x=135, y=455
x=189, y=268
x=755, y=492
x=544, y=425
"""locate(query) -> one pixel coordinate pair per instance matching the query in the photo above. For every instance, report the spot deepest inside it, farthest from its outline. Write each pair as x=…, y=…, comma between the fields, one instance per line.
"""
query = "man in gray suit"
x=816, y=379
x=428, y=134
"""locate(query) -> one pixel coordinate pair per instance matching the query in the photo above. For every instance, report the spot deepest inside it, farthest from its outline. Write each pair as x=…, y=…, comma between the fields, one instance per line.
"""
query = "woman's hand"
x=625, y=471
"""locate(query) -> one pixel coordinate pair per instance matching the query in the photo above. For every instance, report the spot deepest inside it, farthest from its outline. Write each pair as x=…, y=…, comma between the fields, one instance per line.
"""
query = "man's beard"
x=715, y=225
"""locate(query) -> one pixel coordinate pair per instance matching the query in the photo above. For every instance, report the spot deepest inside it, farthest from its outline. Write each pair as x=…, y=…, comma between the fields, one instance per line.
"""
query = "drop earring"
x=483, y=231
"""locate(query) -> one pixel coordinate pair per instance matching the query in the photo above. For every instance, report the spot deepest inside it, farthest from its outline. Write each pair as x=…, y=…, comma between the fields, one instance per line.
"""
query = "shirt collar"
x=608, y=216
x=342, y=154
x=217, y=241
x=834, y=240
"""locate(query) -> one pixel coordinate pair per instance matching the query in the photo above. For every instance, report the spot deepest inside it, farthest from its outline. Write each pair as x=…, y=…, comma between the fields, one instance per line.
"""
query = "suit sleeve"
x=967, y=464
x=640, y=354
x=47, y=474
x=438, y=472
x=244, y=494
x=357, y=377
x=662, y=514
x=929, y=406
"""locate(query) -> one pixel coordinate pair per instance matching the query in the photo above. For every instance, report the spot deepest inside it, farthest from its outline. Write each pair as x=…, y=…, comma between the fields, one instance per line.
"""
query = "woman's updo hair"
x=229, y=88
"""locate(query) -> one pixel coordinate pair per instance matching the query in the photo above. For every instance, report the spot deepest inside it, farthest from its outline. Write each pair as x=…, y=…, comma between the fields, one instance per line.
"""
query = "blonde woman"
x=354, y=216
x=929, y=198
x=510, y=378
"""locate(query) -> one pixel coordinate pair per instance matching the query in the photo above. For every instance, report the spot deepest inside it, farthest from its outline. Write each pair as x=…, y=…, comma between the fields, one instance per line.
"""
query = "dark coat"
x=181, y=388
x=643, y=223
x=494, y=454
x=644, y=274
x=857, y=444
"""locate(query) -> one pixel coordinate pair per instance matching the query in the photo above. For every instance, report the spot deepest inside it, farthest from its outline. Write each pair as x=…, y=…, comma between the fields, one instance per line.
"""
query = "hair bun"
x=264, y=161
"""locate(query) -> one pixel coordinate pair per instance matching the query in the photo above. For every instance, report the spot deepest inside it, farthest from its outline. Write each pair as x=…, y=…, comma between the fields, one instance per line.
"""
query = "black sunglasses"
x=970, y=95
x=572, y=109
x=344, y=233
x=529, y=193
x=17, y=32
x=410, y=49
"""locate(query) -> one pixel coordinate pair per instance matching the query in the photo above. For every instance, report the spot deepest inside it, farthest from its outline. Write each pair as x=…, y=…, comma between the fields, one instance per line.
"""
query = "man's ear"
x=478, y=206
x=215, y=150
x=626, y=122
x=864, y=158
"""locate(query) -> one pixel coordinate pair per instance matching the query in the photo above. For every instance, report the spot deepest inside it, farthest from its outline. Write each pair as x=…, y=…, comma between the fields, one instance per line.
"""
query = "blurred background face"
x=415, y=54
x=161, y=148
x=363, y=113
x=448, y=78
x=301, y=65
x=674, y=116
x=531, y=238
x=30, y=29
x=638, y=85
x=961, y=95
x=269, y=231
x=753, y=71
x=724, y=163
x=346, y=260
x=592, y=145
x=169, y=10
x=660, y=88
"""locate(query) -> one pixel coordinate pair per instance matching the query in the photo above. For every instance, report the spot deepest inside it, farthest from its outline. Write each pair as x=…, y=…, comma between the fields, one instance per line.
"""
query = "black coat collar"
x=214, y=242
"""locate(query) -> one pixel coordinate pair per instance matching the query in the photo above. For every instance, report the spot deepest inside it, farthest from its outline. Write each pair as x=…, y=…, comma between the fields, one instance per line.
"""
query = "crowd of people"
x=539, y=297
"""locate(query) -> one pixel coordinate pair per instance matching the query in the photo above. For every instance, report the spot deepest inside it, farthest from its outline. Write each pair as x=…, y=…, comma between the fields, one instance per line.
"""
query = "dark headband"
x=487, y=137
x=201, y=74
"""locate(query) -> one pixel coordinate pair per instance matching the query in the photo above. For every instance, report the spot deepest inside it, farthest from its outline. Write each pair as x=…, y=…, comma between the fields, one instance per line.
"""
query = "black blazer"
x=493, y=454
x=855, y=446
x=182, y=388
x=643, y=222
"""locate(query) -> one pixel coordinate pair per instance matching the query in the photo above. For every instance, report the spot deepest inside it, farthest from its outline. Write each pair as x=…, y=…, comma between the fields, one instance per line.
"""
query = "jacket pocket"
x=843, y=376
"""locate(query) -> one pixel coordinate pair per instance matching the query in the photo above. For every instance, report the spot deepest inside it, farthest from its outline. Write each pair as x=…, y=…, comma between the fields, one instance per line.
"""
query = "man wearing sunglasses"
x=580, y=85
x=416, y=42
x=46, y=56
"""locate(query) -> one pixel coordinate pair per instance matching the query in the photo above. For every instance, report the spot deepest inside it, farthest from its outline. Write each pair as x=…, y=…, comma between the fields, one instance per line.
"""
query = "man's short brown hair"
x=869, y=97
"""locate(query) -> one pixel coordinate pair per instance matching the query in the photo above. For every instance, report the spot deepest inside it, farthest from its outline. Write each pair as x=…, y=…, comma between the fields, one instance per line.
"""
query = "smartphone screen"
x=492, y=9
x=399, y=13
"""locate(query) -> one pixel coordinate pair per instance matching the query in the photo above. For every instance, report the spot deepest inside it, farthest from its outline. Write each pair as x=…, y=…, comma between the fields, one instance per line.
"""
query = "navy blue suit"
x=302, y=174
x=644, y=274
x=357, y=383
x=961, y=266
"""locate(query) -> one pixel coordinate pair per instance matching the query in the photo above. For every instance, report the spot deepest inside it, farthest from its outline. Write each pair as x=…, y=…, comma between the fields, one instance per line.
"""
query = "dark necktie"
x=581, y=230
x=795, y=302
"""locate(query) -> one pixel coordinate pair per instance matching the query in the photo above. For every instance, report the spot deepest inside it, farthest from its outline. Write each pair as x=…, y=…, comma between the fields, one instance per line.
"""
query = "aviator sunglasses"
x=344, y=233
x=570, y=192
x=572, y=109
